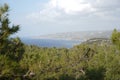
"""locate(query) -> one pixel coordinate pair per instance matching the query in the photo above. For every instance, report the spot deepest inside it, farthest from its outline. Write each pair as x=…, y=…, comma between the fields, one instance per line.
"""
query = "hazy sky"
x=40, y=17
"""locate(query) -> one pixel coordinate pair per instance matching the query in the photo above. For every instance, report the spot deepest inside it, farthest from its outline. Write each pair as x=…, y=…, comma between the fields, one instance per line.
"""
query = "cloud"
x=71, y=6
x=79, y=13
x=108, y=9
x=58, y=8
x=108, y=3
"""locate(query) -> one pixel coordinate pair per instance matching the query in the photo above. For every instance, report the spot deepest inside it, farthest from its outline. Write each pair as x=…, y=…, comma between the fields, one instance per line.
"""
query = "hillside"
x=99, y=41
x=81, y=35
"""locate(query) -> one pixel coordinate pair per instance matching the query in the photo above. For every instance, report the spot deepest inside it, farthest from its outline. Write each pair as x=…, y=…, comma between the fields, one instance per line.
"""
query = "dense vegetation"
x=82, y=62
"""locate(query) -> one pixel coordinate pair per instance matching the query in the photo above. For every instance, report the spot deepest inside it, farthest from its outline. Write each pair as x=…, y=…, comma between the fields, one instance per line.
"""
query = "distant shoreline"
x=51, y=42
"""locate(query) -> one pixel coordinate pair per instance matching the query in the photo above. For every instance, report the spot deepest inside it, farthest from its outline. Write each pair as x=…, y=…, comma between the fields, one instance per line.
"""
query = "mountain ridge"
x=79, y=35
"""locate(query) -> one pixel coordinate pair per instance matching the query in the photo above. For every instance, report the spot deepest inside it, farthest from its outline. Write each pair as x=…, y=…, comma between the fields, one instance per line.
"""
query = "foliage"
x=82, y=62
x=11, y=49
x=116, y=38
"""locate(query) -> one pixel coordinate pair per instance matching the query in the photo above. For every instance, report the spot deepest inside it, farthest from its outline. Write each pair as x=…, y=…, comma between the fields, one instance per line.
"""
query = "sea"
x=51, y=42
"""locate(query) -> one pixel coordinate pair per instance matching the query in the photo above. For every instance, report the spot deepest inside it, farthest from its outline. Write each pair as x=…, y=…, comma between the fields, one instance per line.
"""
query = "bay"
x=51, y=42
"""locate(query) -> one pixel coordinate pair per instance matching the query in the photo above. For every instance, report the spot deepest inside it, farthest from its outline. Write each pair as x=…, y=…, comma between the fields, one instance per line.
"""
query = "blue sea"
x=51, y=42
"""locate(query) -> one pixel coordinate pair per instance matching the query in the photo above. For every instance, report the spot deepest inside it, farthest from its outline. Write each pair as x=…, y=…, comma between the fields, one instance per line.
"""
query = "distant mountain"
x=82, y=35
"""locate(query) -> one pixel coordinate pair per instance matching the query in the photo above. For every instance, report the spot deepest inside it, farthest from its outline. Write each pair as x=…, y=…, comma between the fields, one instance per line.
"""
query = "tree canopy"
x=11, y=49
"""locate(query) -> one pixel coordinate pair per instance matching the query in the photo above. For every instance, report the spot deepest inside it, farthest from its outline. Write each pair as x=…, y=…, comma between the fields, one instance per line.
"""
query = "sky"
x=41, y=17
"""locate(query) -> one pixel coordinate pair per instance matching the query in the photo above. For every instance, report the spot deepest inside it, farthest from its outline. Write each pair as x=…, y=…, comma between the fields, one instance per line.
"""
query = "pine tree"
x=11, y=49
x=8, y=46
x=116, y=38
